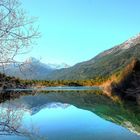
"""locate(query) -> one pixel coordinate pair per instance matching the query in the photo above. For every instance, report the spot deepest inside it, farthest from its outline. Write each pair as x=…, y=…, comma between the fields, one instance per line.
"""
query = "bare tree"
x=11, y=117
x=17, y=31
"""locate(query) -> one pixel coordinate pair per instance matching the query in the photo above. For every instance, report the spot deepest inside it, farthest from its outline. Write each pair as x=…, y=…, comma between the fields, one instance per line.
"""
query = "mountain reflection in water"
x=78, y=115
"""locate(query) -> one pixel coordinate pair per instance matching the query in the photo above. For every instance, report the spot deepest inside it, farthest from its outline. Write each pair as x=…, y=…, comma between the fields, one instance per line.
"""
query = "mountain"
x=104, y=64
x=31, y=69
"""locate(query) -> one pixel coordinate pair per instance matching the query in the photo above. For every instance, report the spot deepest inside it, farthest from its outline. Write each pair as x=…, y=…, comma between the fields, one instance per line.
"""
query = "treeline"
x=7, y=82
x=91, y=82
x=12, y=82
x=95, y=81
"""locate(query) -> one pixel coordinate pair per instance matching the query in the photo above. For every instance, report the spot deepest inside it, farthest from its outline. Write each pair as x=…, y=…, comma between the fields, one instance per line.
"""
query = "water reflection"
x=76, y=115
x=11, y=122
x=72, y=123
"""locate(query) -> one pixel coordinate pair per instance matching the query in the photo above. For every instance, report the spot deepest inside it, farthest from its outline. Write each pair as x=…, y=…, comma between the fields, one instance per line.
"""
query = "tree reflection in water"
x=11, y=117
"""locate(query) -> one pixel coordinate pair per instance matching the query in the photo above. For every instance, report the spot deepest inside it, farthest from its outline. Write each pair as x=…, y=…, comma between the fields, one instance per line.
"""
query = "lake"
x=68, y=115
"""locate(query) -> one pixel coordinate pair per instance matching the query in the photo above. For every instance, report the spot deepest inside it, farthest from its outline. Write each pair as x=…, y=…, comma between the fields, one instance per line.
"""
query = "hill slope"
x=104, y=64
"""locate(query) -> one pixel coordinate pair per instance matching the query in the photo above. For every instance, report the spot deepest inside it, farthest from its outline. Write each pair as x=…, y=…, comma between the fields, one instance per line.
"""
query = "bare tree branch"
x=17, y=31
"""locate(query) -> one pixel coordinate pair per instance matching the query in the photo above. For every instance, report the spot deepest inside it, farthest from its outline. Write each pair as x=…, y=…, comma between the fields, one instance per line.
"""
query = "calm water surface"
x=72, y=116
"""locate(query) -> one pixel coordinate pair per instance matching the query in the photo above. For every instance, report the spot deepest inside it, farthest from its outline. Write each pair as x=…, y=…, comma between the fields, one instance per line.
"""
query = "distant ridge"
x=104, y=64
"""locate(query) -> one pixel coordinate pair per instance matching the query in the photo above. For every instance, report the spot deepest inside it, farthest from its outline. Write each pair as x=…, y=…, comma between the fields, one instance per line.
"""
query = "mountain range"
x=102, y=65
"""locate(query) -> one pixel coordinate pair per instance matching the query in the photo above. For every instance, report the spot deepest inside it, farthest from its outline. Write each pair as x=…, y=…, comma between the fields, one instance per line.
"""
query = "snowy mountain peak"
x=32, y=60
x=132, y=42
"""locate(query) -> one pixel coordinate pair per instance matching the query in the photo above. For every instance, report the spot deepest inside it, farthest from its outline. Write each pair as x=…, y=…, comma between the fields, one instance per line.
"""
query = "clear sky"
x=77, y=30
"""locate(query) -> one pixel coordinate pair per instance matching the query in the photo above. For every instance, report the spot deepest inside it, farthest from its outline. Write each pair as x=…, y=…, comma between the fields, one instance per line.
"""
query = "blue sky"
x=77, y=30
